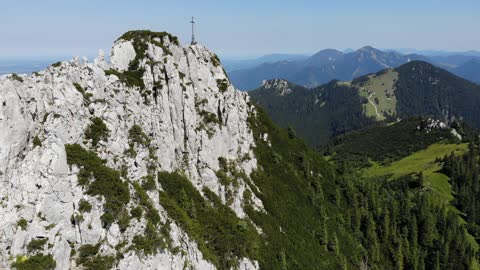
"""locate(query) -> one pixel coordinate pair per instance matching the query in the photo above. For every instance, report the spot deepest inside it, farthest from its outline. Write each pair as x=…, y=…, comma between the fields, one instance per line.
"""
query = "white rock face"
x=181, y=88
x=122, y=53
x=281, y=87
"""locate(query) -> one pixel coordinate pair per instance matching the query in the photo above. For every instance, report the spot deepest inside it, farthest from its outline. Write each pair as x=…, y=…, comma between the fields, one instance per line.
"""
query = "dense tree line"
x=386, y=143
x=464, y=176
x=400, y=226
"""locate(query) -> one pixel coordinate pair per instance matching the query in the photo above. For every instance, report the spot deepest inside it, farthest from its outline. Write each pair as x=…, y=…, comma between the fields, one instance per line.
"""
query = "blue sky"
x=239, y=28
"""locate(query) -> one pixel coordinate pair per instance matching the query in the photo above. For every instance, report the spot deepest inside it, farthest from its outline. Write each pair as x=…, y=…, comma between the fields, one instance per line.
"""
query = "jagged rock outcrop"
x=184, y=106
x=281, y=87
x=429, y=125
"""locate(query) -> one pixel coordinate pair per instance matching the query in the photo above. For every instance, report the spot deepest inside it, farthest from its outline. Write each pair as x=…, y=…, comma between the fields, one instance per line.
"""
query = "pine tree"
x=399, y=257
x=322, y=235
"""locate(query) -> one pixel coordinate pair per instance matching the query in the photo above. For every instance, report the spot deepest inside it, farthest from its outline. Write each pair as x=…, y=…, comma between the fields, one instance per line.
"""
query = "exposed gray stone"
x=37, y=184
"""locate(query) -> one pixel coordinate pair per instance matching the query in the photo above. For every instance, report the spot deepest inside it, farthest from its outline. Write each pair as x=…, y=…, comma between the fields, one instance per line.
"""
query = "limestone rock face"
x=187, y=108
x=281, y=87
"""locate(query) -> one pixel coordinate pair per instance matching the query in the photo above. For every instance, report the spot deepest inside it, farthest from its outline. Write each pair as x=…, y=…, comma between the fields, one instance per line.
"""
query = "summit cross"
x=193, y=31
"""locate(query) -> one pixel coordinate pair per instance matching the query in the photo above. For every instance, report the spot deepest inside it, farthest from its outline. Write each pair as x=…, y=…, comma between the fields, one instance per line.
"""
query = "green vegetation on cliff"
x=97, y=131
x=37, y=262
x=99, y=179
x=222, y=237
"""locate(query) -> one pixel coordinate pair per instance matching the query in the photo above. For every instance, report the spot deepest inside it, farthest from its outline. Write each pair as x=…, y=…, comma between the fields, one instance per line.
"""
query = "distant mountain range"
x=469, y=70
x=21, y=66
x=28, y=65
x=331, y=64
x=413, y=89
x=239, y=64
x=434, y=52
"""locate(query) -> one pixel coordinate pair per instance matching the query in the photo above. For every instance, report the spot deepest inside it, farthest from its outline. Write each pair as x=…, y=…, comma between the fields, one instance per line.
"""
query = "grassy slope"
x=422, y=161
x=382, y=87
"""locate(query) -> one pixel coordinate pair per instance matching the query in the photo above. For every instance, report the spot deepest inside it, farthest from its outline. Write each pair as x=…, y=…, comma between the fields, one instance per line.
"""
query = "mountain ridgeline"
x=315, y=114
x=330, y=64
x=469, y=70
x=413, y=89
x=154, y=161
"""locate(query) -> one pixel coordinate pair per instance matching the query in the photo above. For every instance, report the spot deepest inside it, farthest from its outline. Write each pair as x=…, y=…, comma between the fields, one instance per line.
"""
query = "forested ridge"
x=425, y=90
x=387, y=143
x=316, y=114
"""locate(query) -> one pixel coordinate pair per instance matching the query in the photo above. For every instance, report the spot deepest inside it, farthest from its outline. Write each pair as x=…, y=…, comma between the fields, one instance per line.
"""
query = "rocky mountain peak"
x=368, y=49
x=279, y=86
x=134, y=46
x=81, y=145
x=428, y=125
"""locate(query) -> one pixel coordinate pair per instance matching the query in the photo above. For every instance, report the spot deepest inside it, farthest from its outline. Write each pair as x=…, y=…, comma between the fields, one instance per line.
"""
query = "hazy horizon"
x=93, y=55
x=236, y=29
x=29, y=64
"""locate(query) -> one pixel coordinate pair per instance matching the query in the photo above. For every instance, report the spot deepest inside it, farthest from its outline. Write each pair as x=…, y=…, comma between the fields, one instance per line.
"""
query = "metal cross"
x=193, y=32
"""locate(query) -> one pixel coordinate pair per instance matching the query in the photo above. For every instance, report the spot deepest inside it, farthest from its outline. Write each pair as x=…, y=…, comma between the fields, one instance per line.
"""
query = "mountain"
x=251, y=78
x=413, y=89
x=423, y=89
x=321, y=67
x=436, y=52
x=451, y=62
x=85, y=147
x=23, y=65
x=275, y=57
x=327, y=55
x=469, y=70
x=152, y=160
x=331, y=64
x=232, y=64
x=315, y=114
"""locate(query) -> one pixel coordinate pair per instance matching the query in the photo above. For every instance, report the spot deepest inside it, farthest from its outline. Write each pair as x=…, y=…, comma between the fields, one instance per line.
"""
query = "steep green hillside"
x=317, y=114
x=318, y=219
x=394, y=151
